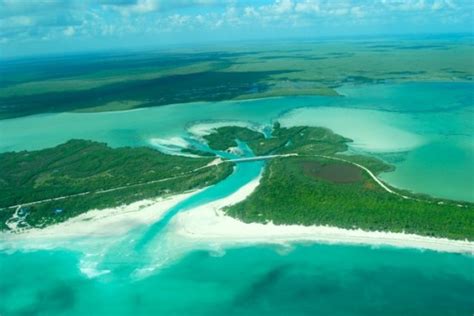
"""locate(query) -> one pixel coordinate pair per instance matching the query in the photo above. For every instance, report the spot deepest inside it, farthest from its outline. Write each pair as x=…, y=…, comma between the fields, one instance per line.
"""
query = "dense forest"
x=80, y=166
x=361, y=204
x=306, y=189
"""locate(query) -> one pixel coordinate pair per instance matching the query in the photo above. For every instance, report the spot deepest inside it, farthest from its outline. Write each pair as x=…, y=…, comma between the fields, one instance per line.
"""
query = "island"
x=309, y=178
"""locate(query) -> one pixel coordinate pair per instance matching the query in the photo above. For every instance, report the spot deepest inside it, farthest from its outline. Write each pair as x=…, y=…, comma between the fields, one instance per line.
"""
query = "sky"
x=29, y=27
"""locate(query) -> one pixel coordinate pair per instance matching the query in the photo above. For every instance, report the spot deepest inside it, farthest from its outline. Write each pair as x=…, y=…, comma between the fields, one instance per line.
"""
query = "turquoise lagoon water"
x=424, y=129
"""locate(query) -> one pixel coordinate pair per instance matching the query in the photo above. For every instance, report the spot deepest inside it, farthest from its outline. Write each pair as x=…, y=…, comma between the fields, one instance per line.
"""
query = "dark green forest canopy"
x=312, y=199
x=298, y=139
x=80, y=166
x=317, y=187
x=202, y=86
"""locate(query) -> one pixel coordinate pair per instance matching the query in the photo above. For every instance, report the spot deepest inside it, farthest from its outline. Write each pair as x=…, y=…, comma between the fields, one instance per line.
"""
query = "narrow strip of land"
x=102, y=191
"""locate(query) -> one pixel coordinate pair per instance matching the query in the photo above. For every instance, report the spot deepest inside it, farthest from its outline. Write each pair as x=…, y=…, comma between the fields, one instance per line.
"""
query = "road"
x=215, y=163
x=261, y=158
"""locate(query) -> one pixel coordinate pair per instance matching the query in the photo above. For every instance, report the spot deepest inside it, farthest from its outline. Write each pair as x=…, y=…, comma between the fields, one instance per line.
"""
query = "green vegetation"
x=197, y=152
x=210, y=86
x=326, y=190
x=327, y=187
x=300, y=139
x=362, y=203
x=226, y=137
x=110, y=177
x=114, y=82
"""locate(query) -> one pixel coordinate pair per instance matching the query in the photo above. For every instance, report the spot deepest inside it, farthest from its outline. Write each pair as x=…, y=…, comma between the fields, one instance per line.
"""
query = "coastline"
x=109, y=222
x=208, y=226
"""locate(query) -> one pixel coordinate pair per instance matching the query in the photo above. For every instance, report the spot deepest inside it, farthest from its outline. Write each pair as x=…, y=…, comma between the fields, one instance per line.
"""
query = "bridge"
x=248, y=159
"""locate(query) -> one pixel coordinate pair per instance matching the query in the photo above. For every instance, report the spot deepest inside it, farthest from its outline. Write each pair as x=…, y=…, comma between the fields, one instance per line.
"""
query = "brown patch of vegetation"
x=333, y=172
x=369, y=185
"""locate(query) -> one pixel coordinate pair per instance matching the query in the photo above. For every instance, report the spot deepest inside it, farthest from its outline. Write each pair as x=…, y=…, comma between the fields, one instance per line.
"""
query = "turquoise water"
x=243, y=174
x=304, y=280
x=437, y=158
x=145, y=248
x=136, y=127
x=422, y=97
x=426, y=130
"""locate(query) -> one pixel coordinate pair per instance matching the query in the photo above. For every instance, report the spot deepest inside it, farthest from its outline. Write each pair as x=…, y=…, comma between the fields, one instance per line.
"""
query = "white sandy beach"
x=104, y=223
x=201, y=129
x=208, y=225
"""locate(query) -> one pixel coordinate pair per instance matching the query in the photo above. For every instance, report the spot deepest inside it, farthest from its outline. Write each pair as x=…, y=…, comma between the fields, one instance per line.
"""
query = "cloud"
x=357, y=12
x=251, y=12
x=69, y=31
x=128, y=8
x=28, y=20
x=308, y=6
x=17, y=21
x=282, y=6
x=443, y=4
x=131, y=7
x=405, y=5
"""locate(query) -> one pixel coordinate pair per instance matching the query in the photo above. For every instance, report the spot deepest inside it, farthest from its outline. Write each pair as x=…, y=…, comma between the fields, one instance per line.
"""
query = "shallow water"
x=428, y=136
x=304, y=280
x=446, y=160
x=243, y=174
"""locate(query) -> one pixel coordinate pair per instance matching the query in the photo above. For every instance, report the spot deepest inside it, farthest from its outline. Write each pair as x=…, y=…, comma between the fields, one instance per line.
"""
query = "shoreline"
x=208, y=226
x=104, y=223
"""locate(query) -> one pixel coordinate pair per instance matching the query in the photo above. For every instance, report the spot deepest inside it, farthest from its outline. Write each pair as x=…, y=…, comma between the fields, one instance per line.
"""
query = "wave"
x=203, y=128
x=89, y=268
x=172, y=146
